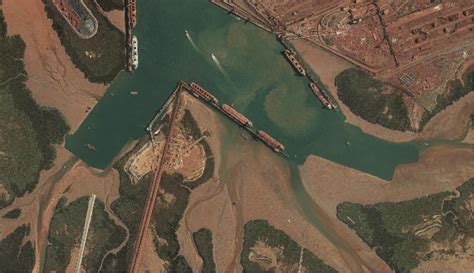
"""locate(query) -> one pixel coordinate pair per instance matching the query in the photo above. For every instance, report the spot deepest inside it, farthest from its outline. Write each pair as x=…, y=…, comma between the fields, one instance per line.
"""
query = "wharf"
x=128, y=34
x=241, y=13
x=219, y=108
x=331, y=100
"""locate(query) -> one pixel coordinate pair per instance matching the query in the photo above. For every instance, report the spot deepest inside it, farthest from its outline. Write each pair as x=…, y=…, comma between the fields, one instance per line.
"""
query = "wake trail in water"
x=190, y=39
x=219, y=66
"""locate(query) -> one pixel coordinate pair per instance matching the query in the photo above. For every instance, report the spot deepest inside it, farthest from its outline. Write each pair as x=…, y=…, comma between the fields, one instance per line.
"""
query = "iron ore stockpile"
x=132, y=41
x=199, y=92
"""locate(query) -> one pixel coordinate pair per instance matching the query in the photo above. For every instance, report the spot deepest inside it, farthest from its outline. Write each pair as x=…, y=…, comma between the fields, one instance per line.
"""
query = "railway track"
x=154, y=188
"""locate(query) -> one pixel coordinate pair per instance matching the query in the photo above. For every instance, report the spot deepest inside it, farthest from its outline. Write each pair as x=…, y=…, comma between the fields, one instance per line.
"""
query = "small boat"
x=133, y=93
x=90, y=147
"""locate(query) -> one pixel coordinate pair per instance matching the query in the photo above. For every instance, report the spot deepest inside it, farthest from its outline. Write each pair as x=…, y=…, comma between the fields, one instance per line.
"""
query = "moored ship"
x=202, y=93
x=132, y=8
x=270, y=141
x=322, y=98
x=134, y=52
x=241, y=119
x=296, y=64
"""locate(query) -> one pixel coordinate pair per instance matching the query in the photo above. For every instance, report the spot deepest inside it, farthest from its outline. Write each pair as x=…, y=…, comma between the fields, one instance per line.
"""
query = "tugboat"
x=134, y=52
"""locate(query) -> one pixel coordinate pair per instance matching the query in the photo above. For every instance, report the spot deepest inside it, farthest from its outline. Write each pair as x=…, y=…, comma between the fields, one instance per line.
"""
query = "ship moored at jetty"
x=319, y=94
x=199, y=92
x=296, y=64
x=270, y=141
x=323, y=98
x=134, y=52
x=238, y=117
x=202, y=93
x=132, y=12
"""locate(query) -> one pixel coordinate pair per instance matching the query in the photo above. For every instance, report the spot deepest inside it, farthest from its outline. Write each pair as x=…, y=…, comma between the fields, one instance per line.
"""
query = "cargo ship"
x=322, y=98
x=134, y=52
x=132, y=9
x=238, y=117
x=270, y=141
x=296, y=64
x=202, y=93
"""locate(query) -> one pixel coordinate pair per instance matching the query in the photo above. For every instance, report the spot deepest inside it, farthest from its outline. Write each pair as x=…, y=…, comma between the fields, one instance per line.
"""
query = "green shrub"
x=14, y=255
x=261, y=230
x=109, y=5
x=13, y=214
x=108, y=44
x=364, y=96
x=203, y=240
x=28, y=131
x=389, y=227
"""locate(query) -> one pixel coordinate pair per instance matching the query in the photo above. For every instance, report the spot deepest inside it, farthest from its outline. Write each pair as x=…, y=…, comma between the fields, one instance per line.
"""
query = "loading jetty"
x=205, y=95
x=170, y=99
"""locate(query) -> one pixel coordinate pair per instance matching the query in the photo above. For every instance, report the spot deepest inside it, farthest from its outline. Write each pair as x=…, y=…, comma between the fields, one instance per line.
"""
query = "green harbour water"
x=242, y=65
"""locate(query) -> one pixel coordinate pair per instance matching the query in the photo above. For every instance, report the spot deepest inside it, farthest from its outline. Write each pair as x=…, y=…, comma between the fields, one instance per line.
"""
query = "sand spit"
x=52, y=77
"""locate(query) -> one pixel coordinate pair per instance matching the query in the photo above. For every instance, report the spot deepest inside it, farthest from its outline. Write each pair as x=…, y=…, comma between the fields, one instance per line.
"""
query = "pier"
x=274, y=145
x=130, y=22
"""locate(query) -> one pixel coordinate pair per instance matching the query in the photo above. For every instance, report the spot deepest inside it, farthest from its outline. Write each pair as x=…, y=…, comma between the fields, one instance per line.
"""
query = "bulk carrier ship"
x=132, y=9
x=296, y=64
x=202, y=93
x=322, y=97
x=134, y=52
x=238, y=117
x=270, y=141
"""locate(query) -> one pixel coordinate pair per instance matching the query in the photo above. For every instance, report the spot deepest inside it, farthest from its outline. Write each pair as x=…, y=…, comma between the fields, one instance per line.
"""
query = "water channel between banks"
x=243, y=66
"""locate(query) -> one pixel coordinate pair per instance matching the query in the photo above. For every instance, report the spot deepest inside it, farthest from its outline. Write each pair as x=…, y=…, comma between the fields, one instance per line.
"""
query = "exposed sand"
x=218, y=209
x=29, y=204
x=469, y=139
x=52, y=78
x=440, y=168
x=39, y=205
x=328, y=66
x=255, y=186
x=452, y=122
x=150, y=261
x=117, y=18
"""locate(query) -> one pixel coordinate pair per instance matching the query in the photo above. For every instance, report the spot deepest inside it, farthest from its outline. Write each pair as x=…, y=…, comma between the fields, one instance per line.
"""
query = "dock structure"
x=154, y=188
x=236, y=117
x=130, y=23
x=85, y=231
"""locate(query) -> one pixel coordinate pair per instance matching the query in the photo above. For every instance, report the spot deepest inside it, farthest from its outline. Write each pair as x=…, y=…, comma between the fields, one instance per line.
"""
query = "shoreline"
x=318, y=60
x=53, y=79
